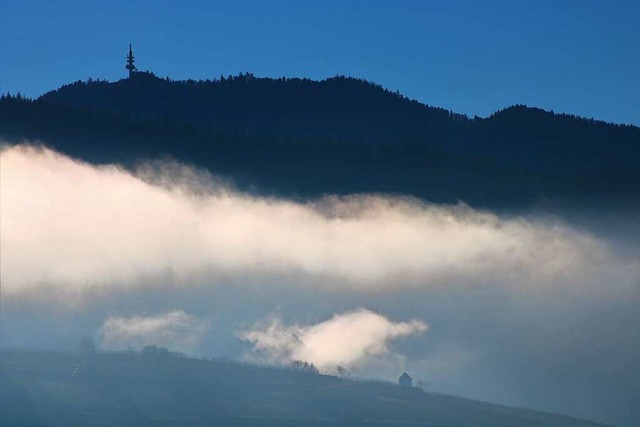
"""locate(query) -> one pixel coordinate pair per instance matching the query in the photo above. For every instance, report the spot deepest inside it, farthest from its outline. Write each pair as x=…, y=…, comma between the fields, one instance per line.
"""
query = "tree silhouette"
x=303, y=367
x=343, y=372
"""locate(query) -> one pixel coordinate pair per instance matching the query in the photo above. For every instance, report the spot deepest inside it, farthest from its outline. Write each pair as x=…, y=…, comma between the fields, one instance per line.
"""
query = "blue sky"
x=473, y=57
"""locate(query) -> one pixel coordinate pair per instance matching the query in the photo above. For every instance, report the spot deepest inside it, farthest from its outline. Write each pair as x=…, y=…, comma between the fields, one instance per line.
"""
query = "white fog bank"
x=75, y=226
x=346, y=339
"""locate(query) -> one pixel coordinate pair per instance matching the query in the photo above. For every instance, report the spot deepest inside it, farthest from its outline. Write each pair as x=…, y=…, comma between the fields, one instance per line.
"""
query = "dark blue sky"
x=474, y=57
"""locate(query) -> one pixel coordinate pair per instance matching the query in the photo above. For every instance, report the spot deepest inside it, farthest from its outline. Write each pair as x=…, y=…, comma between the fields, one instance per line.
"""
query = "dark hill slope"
x=351, y=109
x=338, y=108
x=559, y=142
x=301, y=138
x=133, y=390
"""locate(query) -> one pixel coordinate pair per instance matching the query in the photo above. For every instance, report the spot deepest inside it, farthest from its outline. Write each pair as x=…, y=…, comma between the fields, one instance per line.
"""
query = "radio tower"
x=130, y=65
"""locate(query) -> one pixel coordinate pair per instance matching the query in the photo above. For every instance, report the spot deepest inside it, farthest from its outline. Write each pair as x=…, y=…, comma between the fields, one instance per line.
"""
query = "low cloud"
x=523, y=309
x=175, y=330
x=76, y=226
x=351, y=338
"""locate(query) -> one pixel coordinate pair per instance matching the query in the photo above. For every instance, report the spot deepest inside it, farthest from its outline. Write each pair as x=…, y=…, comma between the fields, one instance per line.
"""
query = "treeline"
x=254, y=132
x=338, y=108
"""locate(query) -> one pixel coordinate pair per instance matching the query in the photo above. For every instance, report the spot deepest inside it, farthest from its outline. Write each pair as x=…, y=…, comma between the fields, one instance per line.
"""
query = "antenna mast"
x=130, y=65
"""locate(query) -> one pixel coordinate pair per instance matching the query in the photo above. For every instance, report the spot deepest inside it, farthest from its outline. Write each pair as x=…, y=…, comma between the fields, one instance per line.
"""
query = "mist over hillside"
x=304, y=138
x=336, y=222
x=152, y=388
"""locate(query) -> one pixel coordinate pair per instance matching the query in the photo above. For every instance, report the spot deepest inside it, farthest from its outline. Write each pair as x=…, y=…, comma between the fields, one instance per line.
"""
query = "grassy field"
x=129, y=389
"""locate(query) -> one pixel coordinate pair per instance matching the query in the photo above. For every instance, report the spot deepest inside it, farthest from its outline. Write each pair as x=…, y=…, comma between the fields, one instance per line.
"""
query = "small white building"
x=405, y=381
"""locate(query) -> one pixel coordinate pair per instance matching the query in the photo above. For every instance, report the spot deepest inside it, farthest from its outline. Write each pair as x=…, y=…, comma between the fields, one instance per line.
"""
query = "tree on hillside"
x=154, y=352
x=343, y=373
x=303, y=367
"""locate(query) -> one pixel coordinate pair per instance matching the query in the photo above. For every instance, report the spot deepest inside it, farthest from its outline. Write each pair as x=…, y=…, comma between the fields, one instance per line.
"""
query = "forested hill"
x=340, y=107
x=304, y=138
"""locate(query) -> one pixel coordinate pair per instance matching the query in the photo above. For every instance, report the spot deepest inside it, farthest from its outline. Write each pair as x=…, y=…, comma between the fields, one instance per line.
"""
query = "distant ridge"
x=338, y=107
x=304, y=138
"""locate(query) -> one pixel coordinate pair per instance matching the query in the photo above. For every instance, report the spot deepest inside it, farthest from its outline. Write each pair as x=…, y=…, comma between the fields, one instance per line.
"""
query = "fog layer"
x=522, y=309
x=344, y=340
x=75, y=226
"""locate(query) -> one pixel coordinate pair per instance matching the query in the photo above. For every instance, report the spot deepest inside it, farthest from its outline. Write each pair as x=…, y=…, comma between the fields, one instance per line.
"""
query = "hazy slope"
x=130, y=389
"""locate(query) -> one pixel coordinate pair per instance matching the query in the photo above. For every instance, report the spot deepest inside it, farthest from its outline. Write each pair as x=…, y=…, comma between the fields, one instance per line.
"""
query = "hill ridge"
x=128, y=386
x=305, y=138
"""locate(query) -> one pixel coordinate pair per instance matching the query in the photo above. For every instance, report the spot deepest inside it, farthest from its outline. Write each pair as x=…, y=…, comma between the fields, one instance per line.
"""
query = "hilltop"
x=302, y=138
x=340, y=107
x=74, y=389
